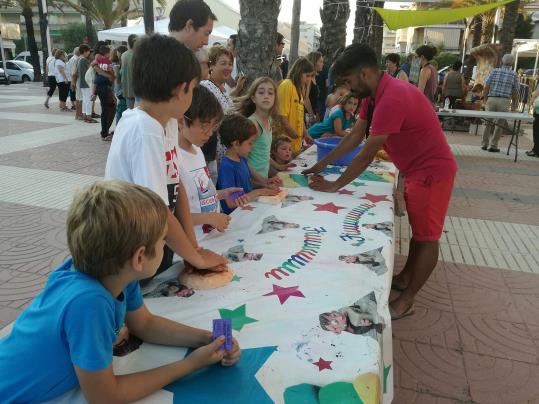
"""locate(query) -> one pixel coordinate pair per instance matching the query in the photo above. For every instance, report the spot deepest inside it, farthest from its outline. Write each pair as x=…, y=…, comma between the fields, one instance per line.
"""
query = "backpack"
x=90, y=76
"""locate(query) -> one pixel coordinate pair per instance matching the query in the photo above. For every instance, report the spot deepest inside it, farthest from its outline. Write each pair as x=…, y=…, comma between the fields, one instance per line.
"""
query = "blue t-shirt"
x=233, y=174
x=327, y=125
x=73, y=321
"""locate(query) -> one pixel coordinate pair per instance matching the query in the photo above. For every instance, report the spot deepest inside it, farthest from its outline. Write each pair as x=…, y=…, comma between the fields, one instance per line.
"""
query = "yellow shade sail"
x=396, y=19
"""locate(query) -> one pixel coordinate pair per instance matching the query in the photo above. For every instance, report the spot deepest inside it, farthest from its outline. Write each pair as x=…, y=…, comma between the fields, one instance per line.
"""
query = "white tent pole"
x=516, y=59
x=536, y=60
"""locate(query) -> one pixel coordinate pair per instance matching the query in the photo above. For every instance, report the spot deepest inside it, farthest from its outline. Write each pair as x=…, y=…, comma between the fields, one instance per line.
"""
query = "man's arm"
x=353, y=139
x=354, y=169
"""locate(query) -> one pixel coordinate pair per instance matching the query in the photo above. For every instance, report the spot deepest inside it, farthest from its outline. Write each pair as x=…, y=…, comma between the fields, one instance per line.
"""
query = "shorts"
x=426, y=203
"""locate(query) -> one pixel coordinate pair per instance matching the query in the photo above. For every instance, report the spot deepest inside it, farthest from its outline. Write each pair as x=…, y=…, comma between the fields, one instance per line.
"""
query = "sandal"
x=94, y=115
x=90, y=120
x=408, y=312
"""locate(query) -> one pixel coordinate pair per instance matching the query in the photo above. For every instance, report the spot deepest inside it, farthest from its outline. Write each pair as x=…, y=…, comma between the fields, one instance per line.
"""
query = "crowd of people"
x=194, y=140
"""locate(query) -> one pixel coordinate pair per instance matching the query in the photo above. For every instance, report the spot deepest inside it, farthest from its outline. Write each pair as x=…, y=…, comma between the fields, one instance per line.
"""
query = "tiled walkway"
x=475, y=335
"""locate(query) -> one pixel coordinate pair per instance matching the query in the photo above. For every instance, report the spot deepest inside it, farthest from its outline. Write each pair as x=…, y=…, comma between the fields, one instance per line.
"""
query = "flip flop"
x=408, y=312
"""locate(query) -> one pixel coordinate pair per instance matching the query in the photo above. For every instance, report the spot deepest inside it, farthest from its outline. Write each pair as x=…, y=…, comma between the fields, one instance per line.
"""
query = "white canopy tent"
x=219, y=33
x=526, y=48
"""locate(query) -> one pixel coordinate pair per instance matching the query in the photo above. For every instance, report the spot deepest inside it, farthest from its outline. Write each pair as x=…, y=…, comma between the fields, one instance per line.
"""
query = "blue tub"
x=326, y=145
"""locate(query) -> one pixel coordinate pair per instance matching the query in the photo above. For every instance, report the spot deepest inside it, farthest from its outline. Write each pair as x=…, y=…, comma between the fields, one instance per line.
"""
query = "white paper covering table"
x=492, y=117
x=311, y=264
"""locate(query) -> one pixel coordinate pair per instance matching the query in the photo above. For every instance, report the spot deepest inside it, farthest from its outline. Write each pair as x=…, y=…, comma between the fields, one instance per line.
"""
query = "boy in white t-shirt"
x=200, y=121
x=144, y=148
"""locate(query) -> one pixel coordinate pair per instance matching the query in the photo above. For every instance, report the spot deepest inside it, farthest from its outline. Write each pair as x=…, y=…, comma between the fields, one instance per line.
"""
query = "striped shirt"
x=503, y=81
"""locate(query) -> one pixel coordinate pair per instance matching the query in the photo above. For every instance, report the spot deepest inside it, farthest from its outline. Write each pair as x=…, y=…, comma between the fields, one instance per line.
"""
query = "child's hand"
x=274, y=183
x=208, y=354
x=212, y=260
x=219, y=220
x=268, y=191
x=232, y=356
x=233, y=203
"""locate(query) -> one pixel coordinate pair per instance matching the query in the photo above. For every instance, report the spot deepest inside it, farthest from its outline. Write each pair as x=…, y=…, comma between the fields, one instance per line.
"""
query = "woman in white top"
x=49, y=67
x=220, y=62
x=61, y=78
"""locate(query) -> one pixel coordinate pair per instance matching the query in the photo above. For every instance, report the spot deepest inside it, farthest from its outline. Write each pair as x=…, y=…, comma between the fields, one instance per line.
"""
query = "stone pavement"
x=475, y=335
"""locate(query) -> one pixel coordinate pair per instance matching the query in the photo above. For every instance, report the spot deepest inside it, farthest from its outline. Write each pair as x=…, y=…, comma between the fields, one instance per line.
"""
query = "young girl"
x=281, y=153
x=259, y=104
x=338, y=123
x=238, y=136
x=291, y=94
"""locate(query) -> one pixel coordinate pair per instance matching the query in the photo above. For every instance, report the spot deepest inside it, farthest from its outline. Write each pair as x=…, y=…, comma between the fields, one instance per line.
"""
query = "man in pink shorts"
x=402, y=122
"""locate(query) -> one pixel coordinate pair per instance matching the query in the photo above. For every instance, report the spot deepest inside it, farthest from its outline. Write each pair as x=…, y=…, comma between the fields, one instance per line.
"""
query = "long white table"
x=492, y=117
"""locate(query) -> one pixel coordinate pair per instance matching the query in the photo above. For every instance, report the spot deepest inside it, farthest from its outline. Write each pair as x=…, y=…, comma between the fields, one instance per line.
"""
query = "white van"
x=25, y=56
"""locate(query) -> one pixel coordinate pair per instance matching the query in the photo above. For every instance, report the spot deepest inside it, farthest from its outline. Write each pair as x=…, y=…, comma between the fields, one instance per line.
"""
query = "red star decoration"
x=375, y=198
x=327, y=207
x=247, y=207
x=322, y=364
x=345, y=192
x=284, y=293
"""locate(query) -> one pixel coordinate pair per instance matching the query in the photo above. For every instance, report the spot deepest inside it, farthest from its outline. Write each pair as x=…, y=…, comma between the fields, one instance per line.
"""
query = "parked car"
x=25, y=57
x=3, y=76
x=19, y=70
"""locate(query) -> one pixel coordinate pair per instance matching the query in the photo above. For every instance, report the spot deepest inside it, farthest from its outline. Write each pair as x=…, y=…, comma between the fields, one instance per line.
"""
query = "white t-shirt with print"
x=200, y=189
x=57, y=74
x=50, y=66
x=144, y=153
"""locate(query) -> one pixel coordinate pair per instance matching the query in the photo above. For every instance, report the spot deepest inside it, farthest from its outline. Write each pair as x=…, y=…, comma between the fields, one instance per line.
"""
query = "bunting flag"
x=396, y=19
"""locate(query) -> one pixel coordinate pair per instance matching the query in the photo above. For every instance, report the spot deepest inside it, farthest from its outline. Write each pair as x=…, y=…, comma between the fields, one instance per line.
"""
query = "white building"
x=448, y=37
x=310, y=33
x=389, y=41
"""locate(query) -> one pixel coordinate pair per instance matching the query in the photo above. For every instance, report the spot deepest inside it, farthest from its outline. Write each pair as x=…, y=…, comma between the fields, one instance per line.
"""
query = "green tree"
x=74, y=33
x=444, y=59
x=524, y=29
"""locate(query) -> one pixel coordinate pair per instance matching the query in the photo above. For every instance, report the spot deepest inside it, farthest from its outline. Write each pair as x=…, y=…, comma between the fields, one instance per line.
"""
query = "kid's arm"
x=217, y=220
x=337, y=127
x=103, y=73
x=183, y=214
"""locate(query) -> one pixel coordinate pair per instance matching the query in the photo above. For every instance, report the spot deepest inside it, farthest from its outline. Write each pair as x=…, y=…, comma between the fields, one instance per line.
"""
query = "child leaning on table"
x=195, y=129
x=144, y=149
x=115, y=232
x=238, y=135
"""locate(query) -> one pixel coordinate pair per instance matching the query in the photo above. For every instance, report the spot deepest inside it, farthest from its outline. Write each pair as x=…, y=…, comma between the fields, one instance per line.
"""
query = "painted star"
x=238, y=316
x=236, y=278
x=375, y=198
x=357, y=184
x=345, y=192
x=323, y=364
x=281, y=236
x=240, y=240
x=225, y=381
x=327, y=207
x=248, y=207
x=284, y=293
x=332, y=170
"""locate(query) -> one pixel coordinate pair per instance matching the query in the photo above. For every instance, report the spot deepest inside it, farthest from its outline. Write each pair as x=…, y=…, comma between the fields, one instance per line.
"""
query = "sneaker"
x=494, y=150
x=483, y=147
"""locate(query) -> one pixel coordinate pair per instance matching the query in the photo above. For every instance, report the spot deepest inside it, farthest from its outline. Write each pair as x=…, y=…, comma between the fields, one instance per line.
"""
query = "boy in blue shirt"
x=64, y=339
x=238, y=135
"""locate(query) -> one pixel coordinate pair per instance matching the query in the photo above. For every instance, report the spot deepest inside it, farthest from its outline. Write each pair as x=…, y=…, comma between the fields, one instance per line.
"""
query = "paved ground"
x=475, y=335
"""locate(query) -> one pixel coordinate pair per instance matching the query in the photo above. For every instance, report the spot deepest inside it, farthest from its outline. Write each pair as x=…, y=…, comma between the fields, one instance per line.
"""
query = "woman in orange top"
x=291, y=93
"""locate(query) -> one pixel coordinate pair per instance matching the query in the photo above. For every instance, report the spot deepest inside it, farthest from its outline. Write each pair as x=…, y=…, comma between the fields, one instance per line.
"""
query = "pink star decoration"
x=284, y=293
x=247, y=207
x=322, y=364
x=375, y=198
x=327, y=207
x=345, y=192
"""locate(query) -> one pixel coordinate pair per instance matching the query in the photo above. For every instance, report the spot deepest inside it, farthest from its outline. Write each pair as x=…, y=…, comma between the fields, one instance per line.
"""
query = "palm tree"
x=107, y=12
x=510, y=18
x=334, y=16
x=294, y=44
x=257, y=31
x=28, y=14
x=368, y=25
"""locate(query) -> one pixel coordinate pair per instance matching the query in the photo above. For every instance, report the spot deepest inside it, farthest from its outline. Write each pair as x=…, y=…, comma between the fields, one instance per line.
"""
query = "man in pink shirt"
x=404, y=123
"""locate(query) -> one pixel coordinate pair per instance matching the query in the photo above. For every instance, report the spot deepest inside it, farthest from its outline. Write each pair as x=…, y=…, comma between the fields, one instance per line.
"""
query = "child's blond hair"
x=108, y=221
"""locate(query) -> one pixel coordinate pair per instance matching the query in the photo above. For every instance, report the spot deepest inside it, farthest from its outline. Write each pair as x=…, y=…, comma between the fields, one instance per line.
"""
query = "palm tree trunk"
x=294, y=45
x=34, y=55
x=89, y=29
x=509, y=25
x=257, y=31
x=487, y=27
x=334, y=16
x=377, y=37
x=476, y=30
x=43, y=22
x=362, y=22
